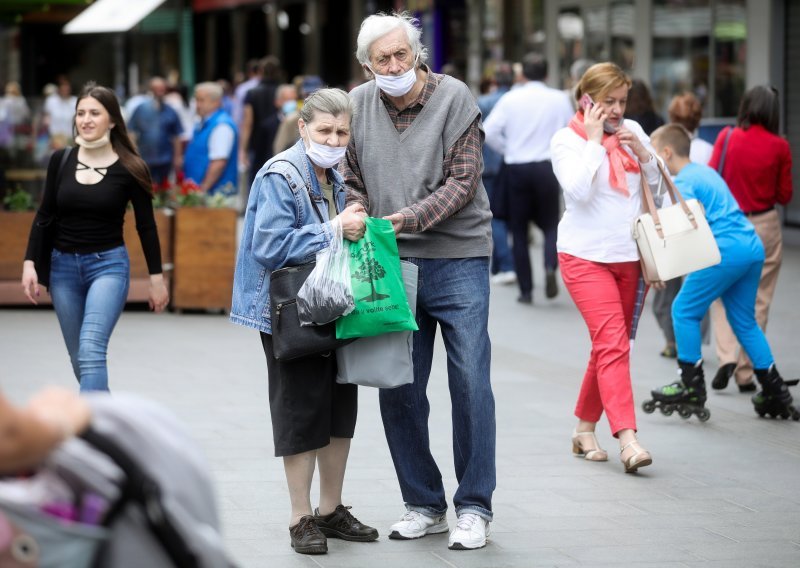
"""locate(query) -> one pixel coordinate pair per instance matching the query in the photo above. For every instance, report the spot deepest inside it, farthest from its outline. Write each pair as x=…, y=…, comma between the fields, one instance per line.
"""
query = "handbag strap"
x=721, y=164
x=674, y=195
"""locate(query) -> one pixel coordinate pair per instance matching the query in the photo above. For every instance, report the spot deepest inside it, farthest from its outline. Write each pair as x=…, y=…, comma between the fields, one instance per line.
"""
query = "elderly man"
x=210, y=159
x=415, y=159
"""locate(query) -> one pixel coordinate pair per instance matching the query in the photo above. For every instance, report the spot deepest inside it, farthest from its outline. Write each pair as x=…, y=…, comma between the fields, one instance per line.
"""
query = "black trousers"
x=533, y=195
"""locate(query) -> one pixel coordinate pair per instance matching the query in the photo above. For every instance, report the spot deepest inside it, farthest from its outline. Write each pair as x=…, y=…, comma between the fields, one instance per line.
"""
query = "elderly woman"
x=294, y=199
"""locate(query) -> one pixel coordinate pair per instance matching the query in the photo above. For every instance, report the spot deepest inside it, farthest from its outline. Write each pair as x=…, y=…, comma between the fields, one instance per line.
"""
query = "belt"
x=759, y=212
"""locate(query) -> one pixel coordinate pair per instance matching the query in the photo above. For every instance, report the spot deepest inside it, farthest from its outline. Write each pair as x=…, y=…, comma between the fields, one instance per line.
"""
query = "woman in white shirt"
x=600, y=175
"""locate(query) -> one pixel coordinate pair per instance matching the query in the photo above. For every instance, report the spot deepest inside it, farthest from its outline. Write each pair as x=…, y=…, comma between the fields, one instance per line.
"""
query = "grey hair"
x=376, y=26
x=331, y=101
x=214, y=90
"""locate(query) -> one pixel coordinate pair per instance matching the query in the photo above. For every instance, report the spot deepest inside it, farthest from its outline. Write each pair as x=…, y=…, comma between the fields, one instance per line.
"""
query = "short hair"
x=212, y=89
x=331, y=101
x=282, y=88
x=686, y=110
x=271, y=68
x=673, y=135
x=600, y=79
x=534, y=67
x=376, y=26
x=504, y=74
x=760, y=106
x=579, y=67
x=253, y=66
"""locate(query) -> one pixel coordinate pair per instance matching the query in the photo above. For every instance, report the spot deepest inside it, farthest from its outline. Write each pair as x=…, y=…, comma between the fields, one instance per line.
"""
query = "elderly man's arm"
x=351, y=172
x=220, y=146
x=462, y=174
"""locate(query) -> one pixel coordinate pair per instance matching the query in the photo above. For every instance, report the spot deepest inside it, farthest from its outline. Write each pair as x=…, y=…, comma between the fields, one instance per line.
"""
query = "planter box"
x=140, y=276
x=205, y=257
x=15, y=226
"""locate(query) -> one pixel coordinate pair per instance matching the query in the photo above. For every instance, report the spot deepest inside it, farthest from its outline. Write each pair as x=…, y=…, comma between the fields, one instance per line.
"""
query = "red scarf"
x=619, y=160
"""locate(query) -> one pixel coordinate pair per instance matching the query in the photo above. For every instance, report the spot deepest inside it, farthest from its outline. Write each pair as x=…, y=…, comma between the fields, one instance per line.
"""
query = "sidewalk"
x=720, y=494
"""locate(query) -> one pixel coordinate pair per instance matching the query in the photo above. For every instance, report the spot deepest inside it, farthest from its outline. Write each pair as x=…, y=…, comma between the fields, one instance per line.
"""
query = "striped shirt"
x=461, y=167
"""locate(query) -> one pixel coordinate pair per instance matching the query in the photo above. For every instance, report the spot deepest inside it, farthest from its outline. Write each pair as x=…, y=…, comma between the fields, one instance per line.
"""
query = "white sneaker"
x=504, y=278
x=416, y=525
x=470, y=532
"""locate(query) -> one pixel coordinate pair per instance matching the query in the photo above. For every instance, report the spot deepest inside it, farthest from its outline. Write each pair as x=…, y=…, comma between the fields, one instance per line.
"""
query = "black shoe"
x=724, y=374
x=747, y=387
x=525, y=298
x=551, y=285
x=307, y=537
x=342, y=524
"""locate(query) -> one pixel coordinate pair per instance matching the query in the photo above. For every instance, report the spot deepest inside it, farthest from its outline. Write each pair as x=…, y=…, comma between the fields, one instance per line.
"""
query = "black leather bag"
x=47, y=226
x=290, y=340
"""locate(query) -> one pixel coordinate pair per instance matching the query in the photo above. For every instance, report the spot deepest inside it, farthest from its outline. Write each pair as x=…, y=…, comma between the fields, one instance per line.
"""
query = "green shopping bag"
x=377, y=280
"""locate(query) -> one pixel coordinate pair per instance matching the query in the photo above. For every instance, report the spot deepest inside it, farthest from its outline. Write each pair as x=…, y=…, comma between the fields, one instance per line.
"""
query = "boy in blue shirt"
x=735, y=280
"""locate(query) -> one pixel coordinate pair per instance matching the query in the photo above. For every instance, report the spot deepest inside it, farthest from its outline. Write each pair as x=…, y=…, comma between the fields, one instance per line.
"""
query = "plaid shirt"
x=461, y=168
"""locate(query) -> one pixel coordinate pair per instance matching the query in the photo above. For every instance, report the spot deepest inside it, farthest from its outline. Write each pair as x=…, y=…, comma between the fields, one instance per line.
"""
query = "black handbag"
x=46, y=228
x=290, y=340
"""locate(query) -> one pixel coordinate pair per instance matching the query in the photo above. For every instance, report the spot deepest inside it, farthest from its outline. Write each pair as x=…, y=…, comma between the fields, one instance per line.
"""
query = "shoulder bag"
x=290, y=339
x=42, y=254
x=675, y=240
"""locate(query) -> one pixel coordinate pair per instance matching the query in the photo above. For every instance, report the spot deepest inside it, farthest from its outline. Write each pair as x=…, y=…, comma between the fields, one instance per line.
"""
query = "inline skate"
x=773, y=399
x=687, y=396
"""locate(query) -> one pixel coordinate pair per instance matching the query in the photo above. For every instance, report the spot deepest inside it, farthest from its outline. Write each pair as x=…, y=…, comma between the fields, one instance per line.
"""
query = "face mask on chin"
x=396, y=85
x=324, y=156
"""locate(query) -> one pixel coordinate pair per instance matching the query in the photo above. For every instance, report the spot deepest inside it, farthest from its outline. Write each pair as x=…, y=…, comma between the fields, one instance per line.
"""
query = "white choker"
x=99, y=143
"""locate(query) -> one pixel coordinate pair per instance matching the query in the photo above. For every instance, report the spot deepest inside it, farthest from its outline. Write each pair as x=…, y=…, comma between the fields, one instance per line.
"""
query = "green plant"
x=19, y=200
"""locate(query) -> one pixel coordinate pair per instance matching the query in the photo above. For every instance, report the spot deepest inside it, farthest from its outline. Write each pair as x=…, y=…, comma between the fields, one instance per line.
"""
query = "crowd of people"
x=358, y=154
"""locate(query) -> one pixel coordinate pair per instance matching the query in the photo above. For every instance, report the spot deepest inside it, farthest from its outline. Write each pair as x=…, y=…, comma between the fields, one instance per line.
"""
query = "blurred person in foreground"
x=600, y=174
x=758, y=171
x=82, y=258
x=415, y=159
x=295, y=199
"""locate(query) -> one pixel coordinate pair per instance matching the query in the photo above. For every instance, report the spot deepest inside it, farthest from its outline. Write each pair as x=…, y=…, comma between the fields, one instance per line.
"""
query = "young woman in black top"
x=82, y=213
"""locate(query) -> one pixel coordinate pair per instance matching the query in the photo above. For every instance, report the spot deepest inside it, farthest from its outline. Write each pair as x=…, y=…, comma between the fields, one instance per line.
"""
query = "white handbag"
x=675, y=240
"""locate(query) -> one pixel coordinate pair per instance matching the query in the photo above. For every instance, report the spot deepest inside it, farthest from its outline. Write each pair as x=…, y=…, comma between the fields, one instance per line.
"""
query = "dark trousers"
x=533, y=195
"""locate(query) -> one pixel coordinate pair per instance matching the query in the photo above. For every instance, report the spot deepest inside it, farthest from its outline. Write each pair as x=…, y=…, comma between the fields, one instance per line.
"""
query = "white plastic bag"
x=327, y=293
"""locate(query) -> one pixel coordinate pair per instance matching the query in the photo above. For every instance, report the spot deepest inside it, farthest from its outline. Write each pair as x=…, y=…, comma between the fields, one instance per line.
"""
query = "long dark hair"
x=760, y=106
x=120, y=141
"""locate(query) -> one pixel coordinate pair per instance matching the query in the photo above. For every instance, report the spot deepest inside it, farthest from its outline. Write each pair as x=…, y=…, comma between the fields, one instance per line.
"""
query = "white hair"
x=376, y=26
x=213, y=90
x=331, y=101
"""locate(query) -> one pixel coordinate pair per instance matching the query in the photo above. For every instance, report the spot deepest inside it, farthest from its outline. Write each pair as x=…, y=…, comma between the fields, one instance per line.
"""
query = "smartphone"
x=586, y=103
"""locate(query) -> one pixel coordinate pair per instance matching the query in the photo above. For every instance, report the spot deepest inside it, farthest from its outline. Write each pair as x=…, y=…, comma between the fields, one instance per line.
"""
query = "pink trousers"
x=605, y=294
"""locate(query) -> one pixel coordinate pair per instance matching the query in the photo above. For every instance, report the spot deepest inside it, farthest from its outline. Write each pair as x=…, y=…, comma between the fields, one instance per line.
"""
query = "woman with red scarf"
x=598, y=160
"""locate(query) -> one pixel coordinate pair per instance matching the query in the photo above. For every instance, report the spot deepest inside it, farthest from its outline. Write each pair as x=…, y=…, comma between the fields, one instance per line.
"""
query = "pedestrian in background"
x=210, y=159
x=600, y=174
x=520, y=128
x=90, y=272
x=288, y=133
x=758, y=171
x=502, y=267
x=59, y=110
x=423, y=173
x=156, y=129
x=14, y=115
x=253, y=68
x=295, y=198
x=640, y=107
x=257, y=126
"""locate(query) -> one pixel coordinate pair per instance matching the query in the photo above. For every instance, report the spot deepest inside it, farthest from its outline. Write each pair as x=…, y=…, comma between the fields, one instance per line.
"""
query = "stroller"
x=132, y=491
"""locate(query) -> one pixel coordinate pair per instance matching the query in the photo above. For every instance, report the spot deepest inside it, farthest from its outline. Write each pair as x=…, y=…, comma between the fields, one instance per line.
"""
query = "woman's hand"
x=159, y=295
x=352, y=220
x=629, y=139
x=658, y=284
x=30, y=281
x=593, y=119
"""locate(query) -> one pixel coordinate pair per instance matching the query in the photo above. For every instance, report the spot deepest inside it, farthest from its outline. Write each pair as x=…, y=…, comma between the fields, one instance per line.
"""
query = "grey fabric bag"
x=178, y=513
x=382, y=361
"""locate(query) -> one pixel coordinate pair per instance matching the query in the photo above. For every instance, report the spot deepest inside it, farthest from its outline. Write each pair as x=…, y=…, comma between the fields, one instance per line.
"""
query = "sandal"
x=595, y=453
x=640, y=457
x=669, y=352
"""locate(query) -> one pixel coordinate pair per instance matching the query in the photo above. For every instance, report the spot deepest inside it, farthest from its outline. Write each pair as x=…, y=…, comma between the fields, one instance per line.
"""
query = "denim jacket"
x=280, y=229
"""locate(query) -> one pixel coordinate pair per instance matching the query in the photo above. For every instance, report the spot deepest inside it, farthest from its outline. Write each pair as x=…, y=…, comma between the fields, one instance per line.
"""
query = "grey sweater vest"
x=399, y=170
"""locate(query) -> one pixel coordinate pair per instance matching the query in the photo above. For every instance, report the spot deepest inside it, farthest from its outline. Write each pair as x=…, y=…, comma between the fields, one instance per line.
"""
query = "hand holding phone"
x=587, y=104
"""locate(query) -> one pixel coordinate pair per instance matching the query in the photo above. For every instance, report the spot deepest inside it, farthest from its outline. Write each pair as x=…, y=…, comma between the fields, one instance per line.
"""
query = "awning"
x=105, y=16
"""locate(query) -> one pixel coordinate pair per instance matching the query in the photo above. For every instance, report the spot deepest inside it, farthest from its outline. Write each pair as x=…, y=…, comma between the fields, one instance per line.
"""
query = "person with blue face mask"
x=415, y=159
x=295, y=199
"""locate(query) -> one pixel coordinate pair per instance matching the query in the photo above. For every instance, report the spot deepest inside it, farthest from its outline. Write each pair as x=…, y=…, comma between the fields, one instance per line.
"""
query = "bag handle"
x=674, y=195
x=721, y=165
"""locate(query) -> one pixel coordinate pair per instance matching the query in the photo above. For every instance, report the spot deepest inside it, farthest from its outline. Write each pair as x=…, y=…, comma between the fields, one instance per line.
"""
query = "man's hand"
x=398, y=220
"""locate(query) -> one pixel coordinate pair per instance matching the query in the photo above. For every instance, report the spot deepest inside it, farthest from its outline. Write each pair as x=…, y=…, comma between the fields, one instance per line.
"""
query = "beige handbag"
x=675, y=240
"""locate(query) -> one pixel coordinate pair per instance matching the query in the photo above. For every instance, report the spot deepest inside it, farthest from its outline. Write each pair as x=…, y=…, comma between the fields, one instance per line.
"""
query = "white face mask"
x=396, y=85
x=324, y=156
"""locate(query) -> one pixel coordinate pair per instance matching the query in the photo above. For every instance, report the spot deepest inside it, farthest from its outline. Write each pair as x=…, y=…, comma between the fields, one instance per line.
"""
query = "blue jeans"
x=737, y=285
x=89, y=292
x=502, y=261
x=453, y=293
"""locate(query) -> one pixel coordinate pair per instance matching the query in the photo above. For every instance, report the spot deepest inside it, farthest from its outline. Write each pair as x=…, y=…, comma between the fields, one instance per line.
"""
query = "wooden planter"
x=140, y=276
x=205, y=256
x=15, y=226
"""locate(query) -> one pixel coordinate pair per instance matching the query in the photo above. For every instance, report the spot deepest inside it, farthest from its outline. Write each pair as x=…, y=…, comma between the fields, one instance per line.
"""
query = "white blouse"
x=598, y=219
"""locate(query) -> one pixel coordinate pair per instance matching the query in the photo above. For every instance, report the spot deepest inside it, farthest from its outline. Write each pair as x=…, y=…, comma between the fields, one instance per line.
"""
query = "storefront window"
x=621, y=24
x=730, y=42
